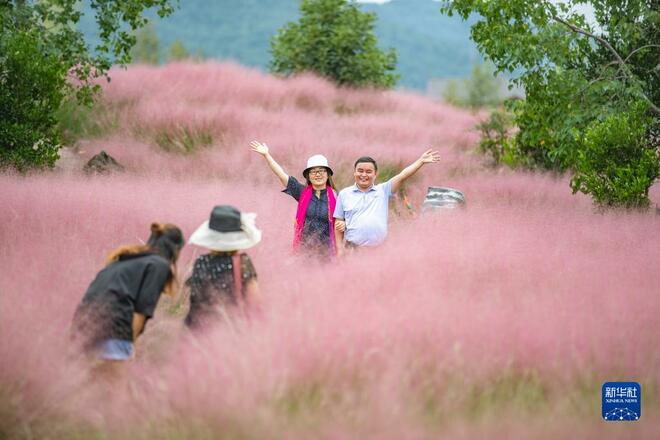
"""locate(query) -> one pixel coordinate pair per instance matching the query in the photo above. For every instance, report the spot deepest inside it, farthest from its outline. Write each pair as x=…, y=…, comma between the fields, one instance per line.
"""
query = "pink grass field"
x=502, y=319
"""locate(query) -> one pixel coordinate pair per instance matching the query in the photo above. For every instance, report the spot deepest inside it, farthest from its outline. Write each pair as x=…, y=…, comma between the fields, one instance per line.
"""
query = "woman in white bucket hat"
x=314, y=222
x=223, y=280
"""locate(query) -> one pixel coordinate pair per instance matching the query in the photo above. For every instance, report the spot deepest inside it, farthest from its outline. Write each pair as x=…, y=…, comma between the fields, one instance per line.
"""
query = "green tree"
x=618, y=164
x=178, y=52
x=31, y=89
x=480, y=89
x=451, y=93
x=335, y=39
x=496, y=138
x=575, y=75
x=147, y=46
x=482, y=86
x=44, y=58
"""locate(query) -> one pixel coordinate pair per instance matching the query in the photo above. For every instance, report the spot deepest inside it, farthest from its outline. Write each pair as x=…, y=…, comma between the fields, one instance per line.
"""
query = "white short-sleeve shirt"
x=365, y=213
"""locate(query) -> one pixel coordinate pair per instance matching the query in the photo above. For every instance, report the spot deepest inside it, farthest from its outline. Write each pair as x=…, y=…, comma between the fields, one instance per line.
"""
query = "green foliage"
x=43, y=59
x=183, y=140
x=31, y=89
x=483, y=87
x=78, y=121
x=147, y=46
x=575, y=75
x=480, y=89
x=497, y=139
x=117, y=20
x=451, y=93
x=618, y=163
x=178, y=52
x=336, y=40
x=75, y=121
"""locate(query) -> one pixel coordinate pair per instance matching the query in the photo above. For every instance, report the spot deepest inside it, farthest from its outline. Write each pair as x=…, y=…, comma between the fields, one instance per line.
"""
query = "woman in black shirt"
x=315, y=222
x=124, y=294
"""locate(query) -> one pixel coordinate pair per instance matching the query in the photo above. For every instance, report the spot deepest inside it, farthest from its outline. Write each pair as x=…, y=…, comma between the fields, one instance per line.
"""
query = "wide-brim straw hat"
x=318, y=160
x=227, y=229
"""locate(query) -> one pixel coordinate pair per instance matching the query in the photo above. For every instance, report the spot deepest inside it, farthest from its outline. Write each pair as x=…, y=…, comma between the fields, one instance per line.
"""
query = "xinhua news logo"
x=622, y=401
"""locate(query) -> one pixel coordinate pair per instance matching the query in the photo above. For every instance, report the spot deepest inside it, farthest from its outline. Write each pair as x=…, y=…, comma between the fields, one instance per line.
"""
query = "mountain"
x=428, y=43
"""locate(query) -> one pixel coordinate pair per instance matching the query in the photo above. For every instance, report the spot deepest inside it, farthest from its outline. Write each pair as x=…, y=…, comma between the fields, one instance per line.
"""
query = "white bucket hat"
x=227, y=230
x=318, y=160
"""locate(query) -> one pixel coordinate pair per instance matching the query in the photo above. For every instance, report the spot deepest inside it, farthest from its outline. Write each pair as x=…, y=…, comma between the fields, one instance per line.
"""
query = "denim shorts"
x=114, y=350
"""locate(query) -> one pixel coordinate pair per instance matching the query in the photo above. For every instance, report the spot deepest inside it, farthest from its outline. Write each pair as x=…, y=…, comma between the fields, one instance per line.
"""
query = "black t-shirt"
x=212, y=285
x=316, y=230
x=132, y=284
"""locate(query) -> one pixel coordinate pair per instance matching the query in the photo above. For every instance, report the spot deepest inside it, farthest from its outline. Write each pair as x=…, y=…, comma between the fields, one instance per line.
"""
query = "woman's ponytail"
x=128, y=249
x=166, y=240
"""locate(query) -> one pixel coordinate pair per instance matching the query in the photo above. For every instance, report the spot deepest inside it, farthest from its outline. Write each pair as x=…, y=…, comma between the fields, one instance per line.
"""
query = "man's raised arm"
x=429, y=156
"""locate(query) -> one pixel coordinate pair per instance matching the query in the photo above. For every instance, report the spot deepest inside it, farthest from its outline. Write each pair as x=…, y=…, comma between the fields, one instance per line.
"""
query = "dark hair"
x=166, y=240
x=366, y=159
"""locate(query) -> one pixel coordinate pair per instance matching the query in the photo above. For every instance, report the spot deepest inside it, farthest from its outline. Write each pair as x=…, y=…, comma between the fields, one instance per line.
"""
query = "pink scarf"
x=303, y=203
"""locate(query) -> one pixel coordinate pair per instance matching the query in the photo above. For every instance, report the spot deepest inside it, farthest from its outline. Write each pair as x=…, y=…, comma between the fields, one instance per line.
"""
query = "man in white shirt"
x=361, y=211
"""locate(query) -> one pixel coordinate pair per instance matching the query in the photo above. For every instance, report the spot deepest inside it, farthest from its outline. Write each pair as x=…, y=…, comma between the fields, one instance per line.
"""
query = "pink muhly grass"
x=298, y=117
x=492, y=288
x=526, y=284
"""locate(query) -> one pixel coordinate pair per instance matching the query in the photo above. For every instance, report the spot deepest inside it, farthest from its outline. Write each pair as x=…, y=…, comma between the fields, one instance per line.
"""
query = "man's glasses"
x=318, y=171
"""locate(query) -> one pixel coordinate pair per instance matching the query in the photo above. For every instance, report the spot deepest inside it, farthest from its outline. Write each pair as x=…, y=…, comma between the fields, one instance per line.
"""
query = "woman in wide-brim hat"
x=314, y=222
x=223, y=280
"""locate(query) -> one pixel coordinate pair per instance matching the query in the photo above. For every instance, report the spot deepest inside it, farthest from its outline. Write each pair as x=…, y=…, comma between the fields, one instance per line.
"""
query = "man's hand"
x=340, y=227
x=429, y=156
x=259, y=147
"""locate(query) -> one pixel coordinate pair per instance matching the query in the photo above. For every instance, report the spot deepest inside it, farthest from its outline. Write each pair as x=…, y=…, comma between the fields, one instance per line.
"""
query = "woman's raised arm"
x=262, y=149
